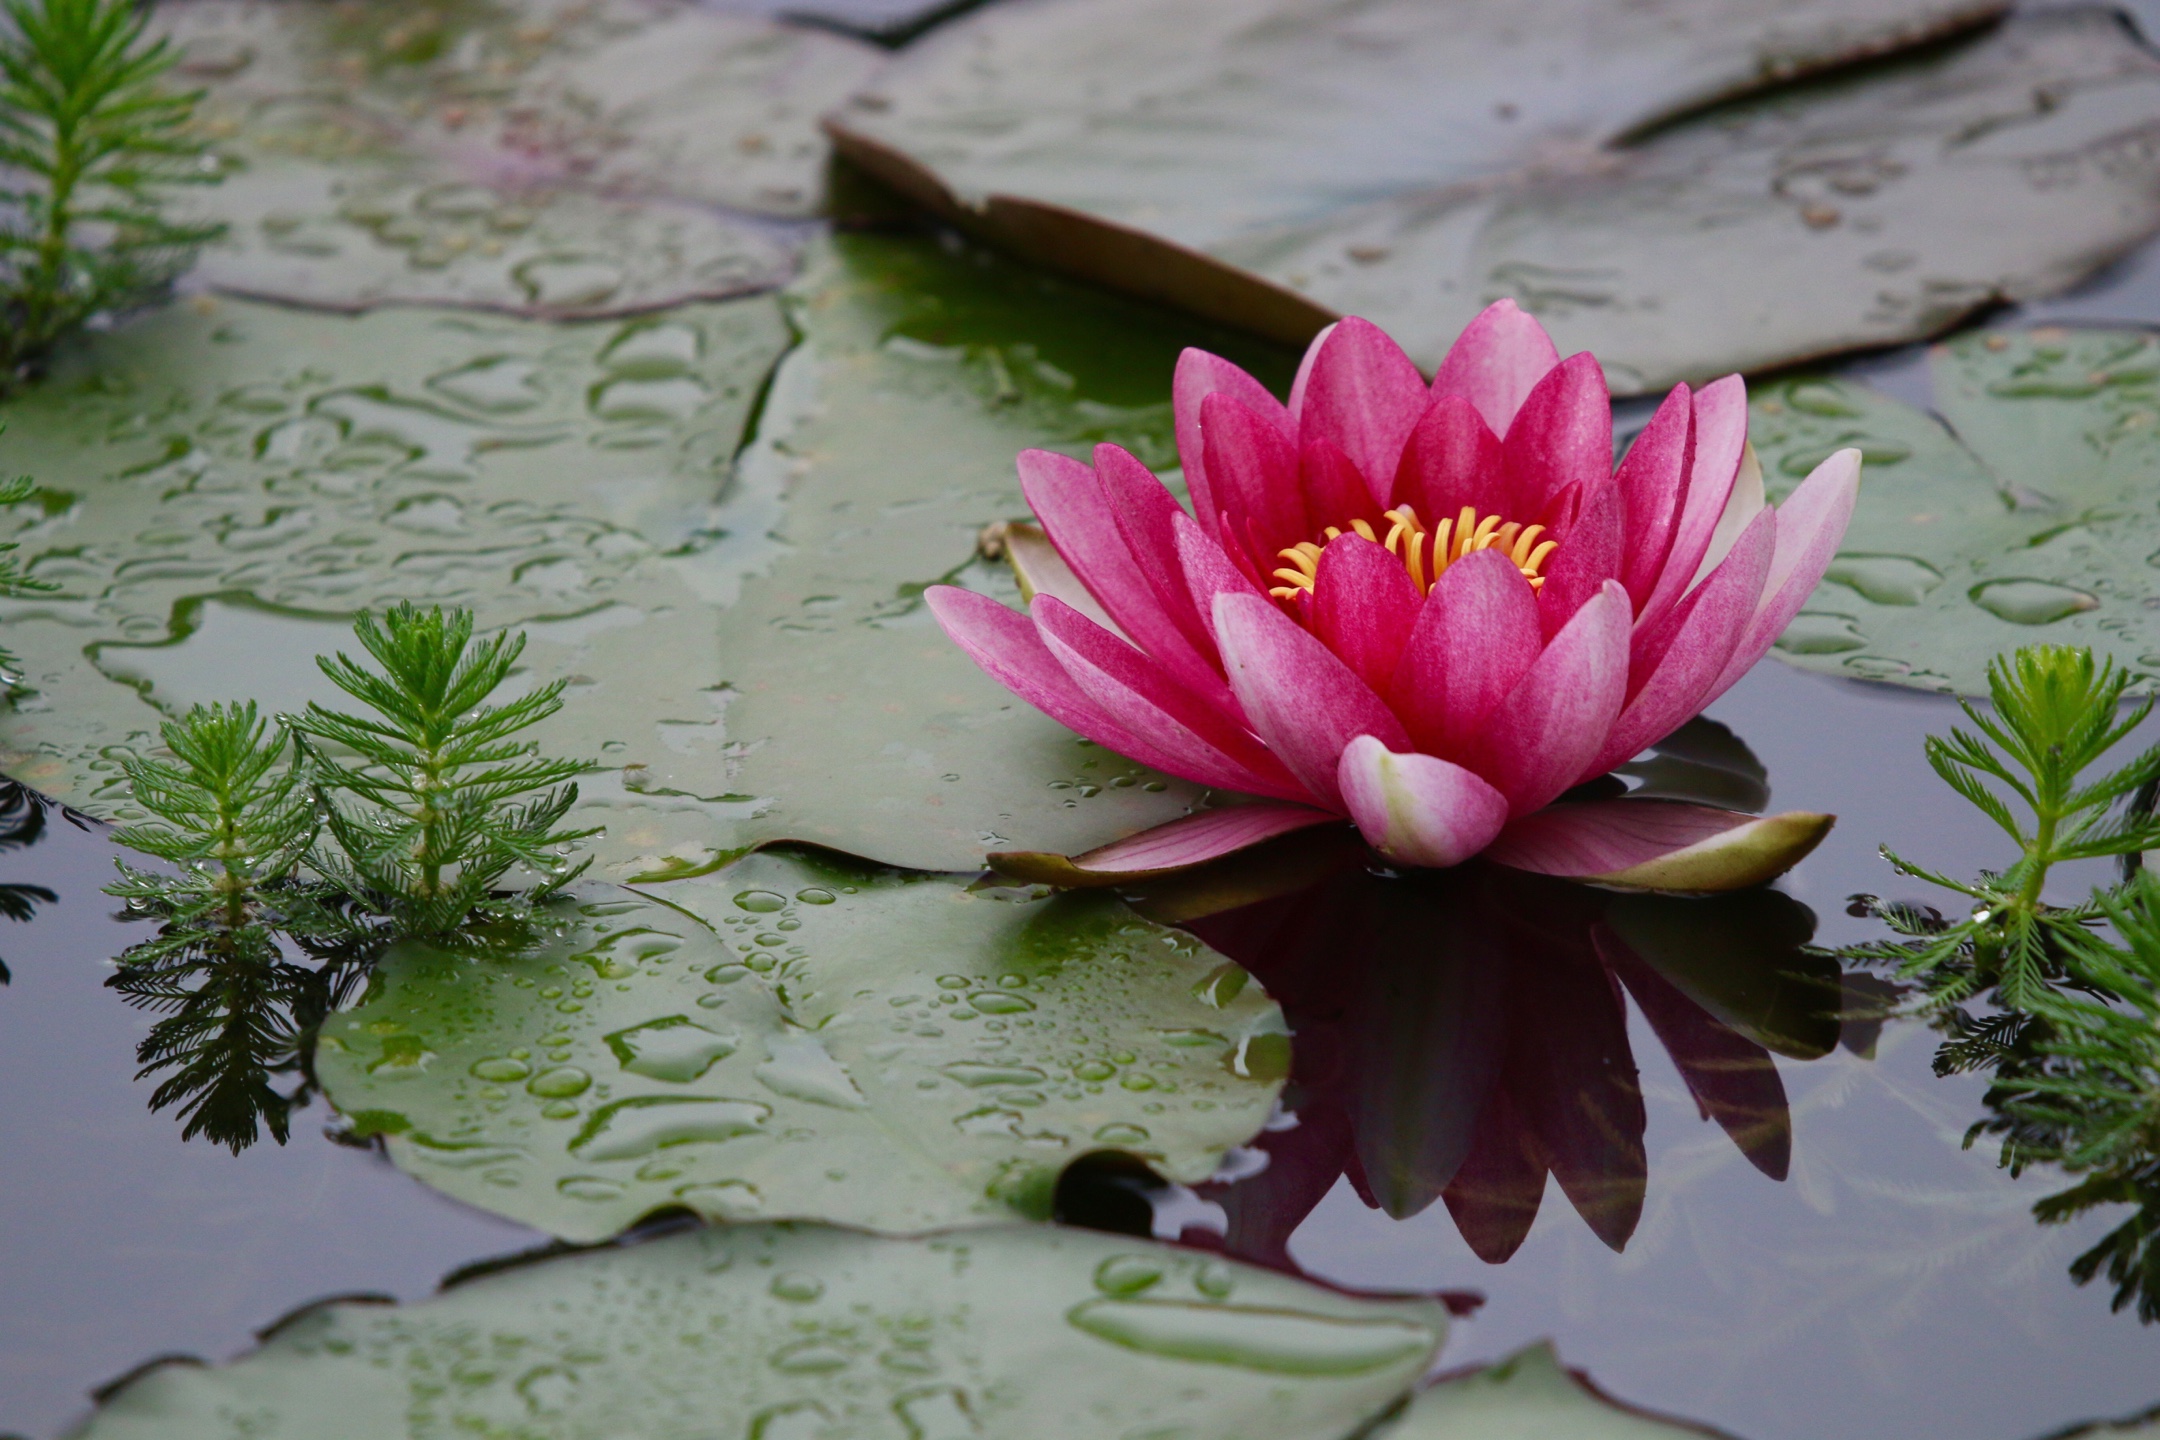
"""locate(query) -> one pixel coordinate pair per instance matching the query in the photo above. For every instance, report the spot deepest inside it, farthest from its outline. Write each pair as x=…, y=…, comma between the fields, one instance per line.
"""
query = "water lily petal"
x=1166, y=849
x=1042, y=571
x=1592, y=554
x=1720, y=440
x=1561, y=437
x=1209, y=571
x=1305, y=703
x=1145, y=513
x=1674, y=664
x=1810, y=526
x=1542, y=738
x=1665, y=845
x=1474, y=640
x=1496, y=361
x=1081, y=521
x=1198, y=376
x=1451, y=459
x=1333, y=488
x=1364, y=607
x=1201, y=743
x=1306, y=362
x=1418, y=809
x=1362, y=395
x=1653, y=490
x=1741, y=507
x=1253, y=475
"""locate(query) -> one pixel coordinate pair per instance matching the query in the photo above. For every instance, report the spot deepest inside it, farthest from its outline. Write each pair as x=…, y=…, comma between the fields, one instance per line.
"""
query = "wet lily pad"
x=822, y=1040
x=1280, y=163
x=785, y=1333
x=548, y=159
x=2029, y=517
x=1530, y=1396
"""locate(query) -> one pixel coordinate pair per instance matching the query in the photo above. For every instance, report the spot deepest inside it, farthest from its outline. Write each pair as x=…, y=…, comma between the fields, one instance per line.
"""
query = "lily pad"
x=1530, y=1396
x=1279, y=162
x=2026, y=514
x=822, y=1040
x=784, y=1333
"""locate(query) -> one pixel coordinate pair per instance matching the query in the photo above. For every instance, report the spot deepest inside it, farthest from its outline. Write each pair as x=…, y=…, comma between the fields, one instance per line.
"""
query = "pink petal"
x=1474, y=640
x=1145, y=513
x=1659, y=844
x=1177, y=845
x=1005, y=644
x=1335, y=492
x=1720, y=438
x=1741, y=507
x=1591, y=554
x=1306, y=704
x=1418, y=809
x=1561, y=436
x=1252, y=466
x=1653, y=489
x=1042, y=571
x=1082, y=523
x=1810, y=527
x=1202, y=743
x=1543, y=737
x=1674, y=663
x=1452, y=459
x=1496, y=362
x=1362, y=395
x=1363, y=607
x=1208, y=570
x=1306, y=362
x=1199, y=375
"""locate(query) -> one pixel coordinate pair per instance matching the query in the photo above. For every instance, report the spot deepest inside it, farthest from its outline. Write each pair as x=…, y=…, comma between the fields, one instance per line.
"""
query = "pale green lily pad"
x=749, y=656
x=1279, y=162
x=785, y=1333
x=1530, y=1396
x=823, y=1040
x=2031, y=518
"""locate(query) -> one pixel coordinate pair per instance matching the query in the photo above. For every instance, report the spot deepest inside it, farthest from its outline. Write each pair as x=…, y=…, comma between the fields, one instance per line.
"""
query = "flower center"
x=1425, y=553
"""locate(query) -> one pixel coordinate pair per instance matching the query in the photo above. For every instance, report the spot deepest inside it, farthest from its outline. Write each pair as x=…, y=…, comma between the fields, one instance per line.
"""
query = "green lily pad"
x=2024, y=515
x=1280, y=163
x=786, y=1333
x=821, y=1040
x=1530, y=1396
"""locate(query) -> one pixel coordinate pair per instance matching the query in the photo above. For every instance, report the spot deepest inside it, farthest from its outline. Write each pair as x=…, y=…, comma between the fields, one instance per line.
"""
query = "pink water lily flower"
x=1432, y=610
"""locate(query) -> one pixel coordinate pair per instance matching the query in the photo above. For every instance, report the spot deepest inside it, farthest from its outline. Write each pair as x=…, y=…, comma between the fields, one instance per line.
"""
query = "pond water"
x=1756, y=1218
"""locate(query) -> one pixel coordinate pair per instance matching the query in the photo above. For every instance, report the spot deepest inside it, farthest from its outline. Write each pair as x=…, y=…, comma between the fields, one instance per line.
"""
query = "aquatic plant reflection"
x=1462, y=1034
x=22, y=824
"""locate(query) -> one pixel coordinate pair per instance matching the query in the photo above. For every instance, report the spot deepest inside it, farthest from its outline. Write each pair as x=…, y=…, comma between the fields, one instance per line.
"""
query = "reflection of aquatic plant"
x=2072, y=1041
x=91, y=142
x=22, y=823
x=14, y=581
x=449, y=801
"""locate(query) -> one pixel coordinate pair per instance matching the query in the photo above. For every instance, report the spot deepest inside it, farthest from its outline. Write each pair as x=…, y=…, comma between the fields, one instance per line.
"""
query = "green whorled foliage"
x=2071, y=1041
x=233, y=821
x=448, y=801
x=97, y=141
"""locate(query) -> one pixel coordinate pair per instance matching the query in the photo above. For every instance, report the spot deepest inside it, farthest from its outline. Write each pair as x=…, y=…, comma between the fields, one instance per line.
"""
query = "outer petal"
x=1306, y=362
x=1252, y=474
x=1452, y=459
x=1674, y=665
x=1082, y=523
x=1208, y=570
x=1144, y=511
x=1561, y=436
x=1306, y=704
x=1042, y=571
x=1364, y=607
x=1199, y=375
x=1201, y=742
x=1810, y=526
x=1720, y=437
x=1544, y=736
x=1592, y=554
x=1178, y=845
x=1418, y=809
x=1660, y=844
x=1362, y=395
x=1496, y=361
x=1475, y=639
x=1741, y=507
x=1653, y=481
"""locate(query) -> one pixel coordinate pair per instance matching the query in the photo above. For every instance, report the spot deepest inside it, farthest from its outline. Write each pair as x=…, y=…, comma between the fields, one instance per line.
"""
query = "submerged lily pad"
x=824, y=1040
x=785, y=1333
x=2025, y=515
x=1278, y=162
x=1530, y=1396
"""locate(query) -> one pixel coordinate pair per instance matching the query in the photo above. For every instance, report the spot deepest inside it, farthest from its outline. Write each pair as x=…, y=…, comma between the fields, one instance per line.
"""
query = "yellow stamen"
x=1425, y=553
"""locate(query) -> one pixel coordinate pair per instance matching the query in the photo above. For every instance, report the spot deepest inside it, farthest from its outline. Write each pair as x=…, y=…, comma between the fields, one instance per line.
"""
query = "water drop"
x=654, y=402
x=723, y=1199
x=803, y=1420
x=1124, y=1276
x=1094, y=1071
x=499, y=384
x=1885, y=579
x=760, y=902
x=999, y=1002
x=1117, y=1132
x=801, y=1069
x=647, y=350
x=547, y=1390
x=980, y=1074
x=1220, y=986
x=559, y=1083
x=571, y=281
x=632, y=1128
x=796, y=1286
x=940, y=1414
x=816, y=896
x=501, y=1070
x=1193, y=1039
x=589, y=1187
x=810, y=1357
x=673, y=1048
x=1821, y=633
x=1281, y=1342
x=2031, y=602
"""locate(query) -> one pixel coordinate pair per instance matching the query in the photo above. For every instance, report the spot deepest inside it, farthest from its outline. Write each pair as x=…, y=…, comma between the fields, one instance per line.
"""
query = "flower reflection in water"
x=1461, y=1035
